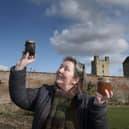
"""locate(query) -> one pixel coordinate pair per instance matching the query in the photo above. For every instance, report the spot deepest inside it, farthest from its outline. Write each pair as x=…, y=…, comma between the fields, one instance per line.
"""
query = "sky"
x=79, y=28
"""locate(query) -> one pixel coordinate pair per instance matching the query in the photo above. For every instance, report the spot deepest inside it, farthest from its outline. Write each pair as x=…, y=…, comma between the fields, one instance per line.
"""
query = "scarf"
x=62, y=114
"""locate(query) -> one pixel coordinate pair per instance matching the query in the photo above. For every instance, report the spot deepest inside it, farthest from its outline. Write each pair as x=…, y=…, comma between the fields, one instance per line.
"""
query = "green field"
x=118, y=117
x=12, y=117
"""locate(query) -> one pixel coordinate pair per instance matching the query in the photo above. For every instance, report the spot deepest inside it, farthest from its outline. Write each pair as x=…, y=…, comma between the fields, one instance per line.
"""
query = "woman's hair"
x=79, y=72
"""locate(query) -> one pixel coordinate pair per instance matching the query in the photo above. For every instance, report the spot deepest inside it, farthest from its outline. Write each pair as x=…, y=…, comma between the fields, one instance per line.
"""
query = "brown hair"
x=79, y=72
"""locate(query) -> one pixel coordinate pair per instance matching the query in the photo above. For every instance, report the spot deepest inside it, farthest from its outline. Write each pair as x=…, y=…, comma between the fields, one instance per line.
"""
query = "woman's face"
x=65, y=75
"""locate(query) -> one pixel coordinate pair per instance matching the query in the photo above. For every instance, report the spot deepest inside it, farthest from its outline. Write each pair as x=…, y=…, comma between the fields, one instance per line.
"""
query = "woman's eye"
x=67, y=69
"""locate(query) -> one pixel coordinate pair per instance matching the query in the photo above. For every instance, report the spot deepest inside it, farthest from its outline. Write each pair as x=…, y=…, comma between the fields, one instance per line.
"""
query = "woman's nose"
x=61, y=70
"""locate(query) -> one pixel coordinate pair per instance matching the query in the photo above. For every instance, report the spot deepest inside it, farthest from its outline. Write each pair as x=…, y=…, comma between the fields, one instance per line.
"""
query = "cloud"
x=95, y=32
x=116, y=2
x=90, y=40
x=73, y=9
x=4, y=68
x=86, y=10
x=69, y=9
x=124, y=3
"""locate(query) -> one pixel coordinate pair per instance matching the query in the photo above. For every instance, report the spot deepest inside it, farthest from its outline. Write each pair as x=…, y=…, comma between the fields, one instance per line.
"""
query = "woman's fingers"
x=102, y=99
x=109, y=94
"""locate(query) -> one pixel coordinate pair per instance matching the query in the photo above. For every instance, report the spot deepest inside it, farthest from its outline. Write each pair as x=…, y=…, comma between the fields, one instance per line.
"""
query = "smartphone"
x=30, y=46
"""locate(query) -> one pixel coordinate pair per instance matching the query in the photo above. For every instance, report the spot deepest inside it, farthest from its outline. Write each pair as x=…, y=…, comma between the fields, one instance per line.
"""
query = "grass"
x=118, y=117
x=12, y=117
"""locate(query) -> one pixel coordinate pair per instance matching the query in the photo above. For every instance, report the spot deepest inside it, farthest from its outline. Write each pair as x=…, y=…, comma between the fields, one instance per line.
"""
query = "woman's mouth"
x=60, y=77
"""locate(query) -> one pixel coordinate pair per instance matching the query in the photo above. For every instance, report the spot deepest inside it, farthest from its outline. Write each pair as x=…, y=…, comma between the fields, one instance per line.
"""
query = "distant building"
x=100, y=67
x=126, y=67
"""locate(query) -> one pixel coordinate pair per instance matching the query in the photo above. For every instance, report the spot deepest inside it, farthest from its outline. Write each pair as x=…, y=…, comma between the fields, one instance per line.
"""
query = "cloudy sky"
x=81, y=28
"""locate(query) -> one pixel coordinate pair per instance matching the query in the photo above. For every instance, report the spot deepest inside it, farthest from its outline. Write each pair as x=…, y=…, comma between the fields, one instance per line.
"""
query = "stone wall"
x=37, y=79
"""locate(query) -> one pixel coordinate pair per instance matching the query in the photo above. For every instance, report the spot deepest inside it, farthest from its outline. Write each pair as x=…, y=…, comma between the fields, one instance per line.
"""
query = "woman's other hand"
x=100, y=99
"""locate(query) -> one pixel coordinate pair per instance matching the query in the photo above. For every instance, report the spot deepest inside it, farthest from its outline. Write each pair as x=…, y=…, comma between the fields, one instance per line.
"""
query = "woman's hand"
x=100, y=99
x=24, y=61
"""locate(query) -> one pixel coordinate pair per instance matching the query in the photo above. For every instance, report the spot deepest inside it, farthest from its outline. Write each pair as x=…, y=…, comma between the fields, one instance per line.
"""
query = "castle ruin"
x=100, y=67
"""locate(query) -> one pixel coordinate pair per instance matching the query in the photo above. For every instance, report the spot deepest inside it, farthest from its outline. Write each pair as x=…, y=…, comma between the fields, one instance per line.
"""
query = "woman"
x=63, y=105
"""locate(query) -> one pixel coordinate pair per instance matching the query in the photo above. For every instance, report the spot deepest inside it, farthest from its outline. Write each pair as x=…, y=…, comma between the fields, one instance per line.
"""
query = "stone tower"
x=126, y=67
x=100, y=67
